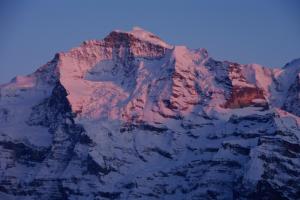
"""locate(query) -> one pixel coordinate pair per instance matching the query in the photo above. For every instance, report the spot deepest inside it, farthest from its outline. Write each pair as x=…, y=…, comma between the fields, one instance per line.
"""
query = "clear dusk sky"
x=266, y=32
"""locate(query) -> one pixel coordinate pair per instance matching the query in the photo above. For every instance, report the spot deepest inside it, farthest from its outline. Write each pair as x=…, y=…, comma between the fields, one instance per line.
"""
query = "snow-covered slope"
x=132, y=117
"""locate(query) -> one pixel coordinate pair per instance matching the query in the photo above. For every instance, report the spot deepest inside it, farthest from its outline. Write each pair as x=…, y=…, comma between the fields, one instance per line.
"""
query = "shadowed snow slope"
x=132, y=117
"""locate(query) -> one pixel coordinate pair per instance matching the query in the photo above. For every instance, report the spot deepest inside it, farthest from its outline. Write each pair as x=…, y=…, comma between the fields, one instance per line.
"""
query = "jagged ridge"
x=133, y=117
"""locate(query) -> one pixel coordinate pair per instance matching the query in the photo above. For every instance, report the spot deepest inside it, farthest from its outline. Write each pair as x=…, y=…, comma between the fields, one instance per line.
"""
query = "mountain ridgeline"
x=132, y=117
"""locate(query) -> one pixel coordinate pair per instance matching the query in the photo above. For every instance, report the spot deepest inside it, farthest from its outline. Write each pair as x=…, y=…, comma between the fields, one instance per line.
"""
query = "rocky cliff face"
x=132, y=117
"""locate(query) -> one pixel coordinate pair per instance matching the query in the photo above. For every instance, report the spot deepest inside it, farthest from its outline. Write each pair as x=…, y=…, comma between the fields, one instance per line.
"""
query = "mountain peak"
x=144, y=35
x=131, y=119
x=293, y=64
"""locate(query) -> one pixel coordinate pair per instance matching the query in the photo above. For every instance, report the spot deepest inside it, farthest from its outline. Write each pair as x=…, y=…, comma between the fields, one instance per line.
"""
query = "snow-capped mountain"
x=132, y=117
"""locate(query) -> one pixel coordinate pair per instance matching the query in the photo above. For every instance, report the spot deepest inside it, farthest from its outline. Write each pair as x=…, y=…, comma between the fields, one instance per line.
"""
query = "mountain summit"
x=144, y=35
x=132, y=117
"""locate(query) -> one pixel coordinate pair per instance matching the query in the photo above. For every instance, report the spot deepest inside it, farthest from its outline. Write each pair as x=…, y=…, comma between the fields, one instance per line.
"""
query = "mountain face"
x=132, y=117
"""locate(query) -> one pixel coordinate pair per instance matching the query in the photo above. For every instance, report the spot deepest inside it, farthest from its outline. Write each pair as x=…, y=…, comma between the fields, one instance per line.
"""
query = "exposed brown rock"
x=244, y=96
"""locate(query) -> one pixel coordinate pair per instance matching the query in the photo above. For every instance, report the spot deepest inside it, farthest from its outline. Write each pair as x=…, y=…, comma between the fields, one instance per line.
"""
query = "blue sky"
x=257, y=31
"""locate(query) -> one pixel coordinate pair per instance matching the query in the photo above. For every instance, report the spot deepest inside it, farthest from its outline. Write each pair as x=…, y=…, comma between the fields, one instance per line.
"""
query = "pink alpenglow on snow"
x=133, y=117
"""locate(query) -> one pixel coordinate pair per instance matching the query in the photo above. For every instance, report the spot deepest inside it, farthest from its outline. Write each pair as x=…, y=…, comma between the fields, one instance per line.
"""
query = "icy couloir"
x=132, y=117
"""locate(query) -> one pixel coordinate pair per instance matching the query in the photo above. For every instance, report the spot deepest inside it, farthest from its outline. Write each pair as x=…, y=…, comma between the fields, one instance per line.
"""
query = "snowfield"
x=132, y=117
